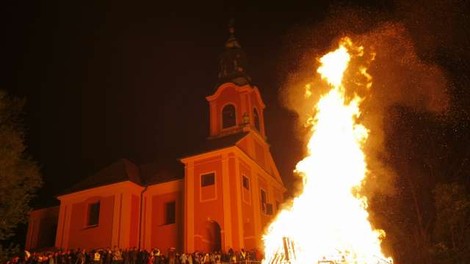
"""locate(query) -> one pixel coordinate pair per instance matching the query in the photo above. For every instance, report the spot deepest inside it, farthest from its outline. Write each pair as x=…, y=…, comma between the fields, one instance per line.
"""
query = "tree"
x=19, y=174
x=427, y=152
x=452, y=226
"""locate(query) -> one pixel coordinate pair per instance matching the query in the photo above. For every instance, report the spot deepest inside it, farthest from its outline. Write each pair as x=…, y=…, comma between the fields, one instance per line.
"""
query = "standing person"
x=125, y=256
x=88, y=257
x=157, y=256
x=172, y=255
x=50, y=258
x=108, y=258
x=190, y=258
x=242, y=255
x=96, y=257
x=218, y=257
x=133, y=256
x=117, y=255
x=151, y=258
x=183, y=258
x=142, y=256
x=81, y=256
x=206, y=259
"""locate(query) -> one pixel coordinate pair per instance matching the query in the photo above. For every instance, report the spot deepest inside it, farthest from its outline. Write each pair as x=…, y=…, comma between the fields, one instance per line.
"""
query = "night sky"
x=106, y=80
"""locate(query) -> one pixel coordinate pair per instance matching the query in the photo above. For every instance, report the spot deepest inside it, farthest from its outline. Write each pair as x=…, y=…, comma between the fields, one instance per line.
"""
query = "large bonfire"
x=328, y=222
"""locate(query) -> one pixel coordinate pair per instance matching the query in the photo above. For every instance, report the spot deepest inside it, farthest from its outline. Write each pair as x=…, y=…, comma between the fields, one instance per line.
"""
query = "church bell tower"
x=236, y=105
x=232, y=185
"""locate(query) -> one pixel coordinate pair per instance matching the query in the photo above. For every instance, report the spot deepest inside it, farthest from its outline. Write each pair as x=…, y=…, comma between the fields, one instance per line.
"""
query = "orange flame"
x=329, y=220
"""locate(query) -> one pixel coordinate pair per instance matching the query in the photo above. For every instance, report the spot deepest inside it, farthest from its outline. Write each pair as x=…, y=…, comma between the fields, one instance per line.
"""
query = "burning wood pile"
x=329, y=222
x=287, y=256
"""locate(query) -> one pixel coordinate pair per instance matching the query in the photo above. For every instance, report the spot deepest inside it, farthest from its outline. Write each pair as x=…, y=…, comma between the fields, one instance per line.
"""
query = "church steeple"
x=233, y=61
x=236, y=106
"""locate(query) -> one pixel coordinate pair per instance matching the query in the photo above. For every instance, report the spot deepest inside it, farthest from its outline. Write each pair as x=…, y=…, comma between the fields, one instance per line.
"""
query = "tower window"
x=93, y=214
x=207, y=179
x=170, y=213
x=228, y=116
x=256, y=119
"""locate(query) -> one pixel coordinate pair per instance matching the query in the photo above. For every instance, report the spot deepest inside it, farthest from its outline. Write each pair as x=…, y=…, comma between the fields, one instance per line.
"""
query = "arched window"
x=228, y=116
x=256, y=119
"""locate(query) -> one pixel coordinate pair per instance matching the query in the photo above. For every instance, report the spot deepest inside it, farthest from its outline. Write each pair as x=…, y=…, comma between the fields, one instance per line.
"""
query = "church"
x=221, y=197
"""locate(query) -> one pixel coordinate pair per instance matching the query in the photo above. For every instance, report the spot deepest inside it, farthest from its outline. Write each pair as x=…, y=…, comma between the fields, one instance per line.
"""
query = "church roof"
x=125, y=170
x=162, y=171
x=119, y=171
x=219, y=143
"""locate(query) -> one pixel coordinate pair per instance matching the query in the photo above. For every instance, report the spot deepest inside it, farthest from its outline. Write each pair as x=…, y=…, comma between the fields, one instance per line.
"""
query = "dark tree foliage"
x=19, y=175
x=426, y=218
x=452, y=225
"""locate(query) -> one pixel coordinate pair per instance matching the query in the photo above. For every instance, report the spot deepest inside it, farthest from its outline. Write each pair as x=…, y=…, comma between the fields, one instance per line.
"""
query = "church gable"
x=257, y=149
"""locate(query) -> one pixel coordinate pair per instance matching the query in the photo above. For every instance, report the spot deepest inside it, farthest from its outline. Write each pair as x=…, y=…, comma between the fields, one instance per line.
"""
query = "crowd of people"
x=133, y=256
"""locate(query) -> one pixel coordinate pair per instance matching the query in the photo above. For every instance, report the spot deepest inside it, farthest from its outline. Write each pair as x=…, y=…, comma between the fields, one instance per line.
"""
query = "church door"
x=214, y=236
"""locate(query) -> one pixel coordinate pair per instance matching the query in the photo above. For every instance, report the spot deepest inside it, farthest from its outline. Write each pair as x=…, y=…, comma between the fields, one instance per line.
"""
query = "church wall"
x=247, y=207
x=227, y=95
x=236, y=209
x=114, y=222
x=42, y=228
x=263, y=186
x=278, y=199
x=245, y=145
x=157, y=231
x=163, y=234
x=260, y=154
x=235, y=183
x=80, y=233
x=208, y=201
x=257, y=103
x=134, y=229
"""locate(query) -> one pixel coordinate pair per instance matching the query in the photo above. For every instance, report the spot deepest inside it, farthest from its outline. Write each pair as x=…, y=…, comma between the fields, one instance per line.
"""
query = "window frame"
x=170, y=220
x=234, y=118
x=205, y=184
x=246, y=192
x=247, y=186
x=264, y=204
x=93, y=214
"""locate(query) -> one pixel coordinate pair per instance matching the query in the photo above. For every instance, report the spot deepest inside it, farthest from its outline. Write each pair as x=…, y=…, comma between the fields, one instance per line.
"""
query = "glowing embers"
x=328, y=222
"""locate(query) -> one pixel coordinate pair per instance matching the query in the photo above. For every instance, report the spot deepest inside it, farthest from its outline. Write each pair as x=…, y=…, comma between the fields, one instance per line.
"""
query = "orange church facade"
x=221, y=197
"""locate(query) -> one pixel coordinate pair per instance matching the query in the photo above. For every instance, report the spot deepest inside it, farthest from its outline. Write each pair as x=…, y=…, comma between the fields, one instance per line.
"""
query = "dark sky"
x=106, y=80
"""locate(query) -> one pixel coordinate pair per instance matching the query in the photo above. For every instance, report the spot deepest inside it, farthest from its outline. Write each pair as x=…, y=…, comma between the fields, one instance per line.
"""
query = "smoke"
x=400, y=77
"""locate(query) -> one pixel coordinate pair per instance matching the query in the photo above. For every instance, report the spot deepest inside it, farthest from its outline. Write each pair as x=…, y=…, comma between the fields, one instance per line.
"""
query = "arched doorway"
x=213, y=236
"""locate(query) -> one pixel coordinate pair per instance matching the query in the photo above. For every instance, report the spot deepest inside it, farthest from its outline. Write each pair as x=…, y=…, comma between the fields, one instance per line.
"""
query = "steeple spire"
x=233, y=62
x=232, y=42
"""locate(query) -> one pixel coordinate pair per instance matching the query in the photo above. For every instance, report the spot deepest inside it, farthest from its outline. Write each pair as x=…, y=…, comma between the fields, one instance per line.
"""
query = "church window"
x=93, y=214
x=256, y=119
x=246, y=182
x=170, y=213
x=207, y=179
x=264, y=202
x=228, y=116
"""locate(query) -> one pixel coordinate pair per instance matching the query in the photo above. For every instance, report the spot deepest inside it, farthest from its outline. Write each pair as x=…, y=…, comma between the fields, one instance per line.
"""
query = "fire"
x=328, y=222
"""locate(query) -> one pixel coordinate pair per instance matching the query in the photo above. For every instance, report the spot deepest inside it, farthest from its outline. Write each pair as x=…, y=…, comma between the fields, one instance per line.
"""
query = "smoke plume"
x=399, y=77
